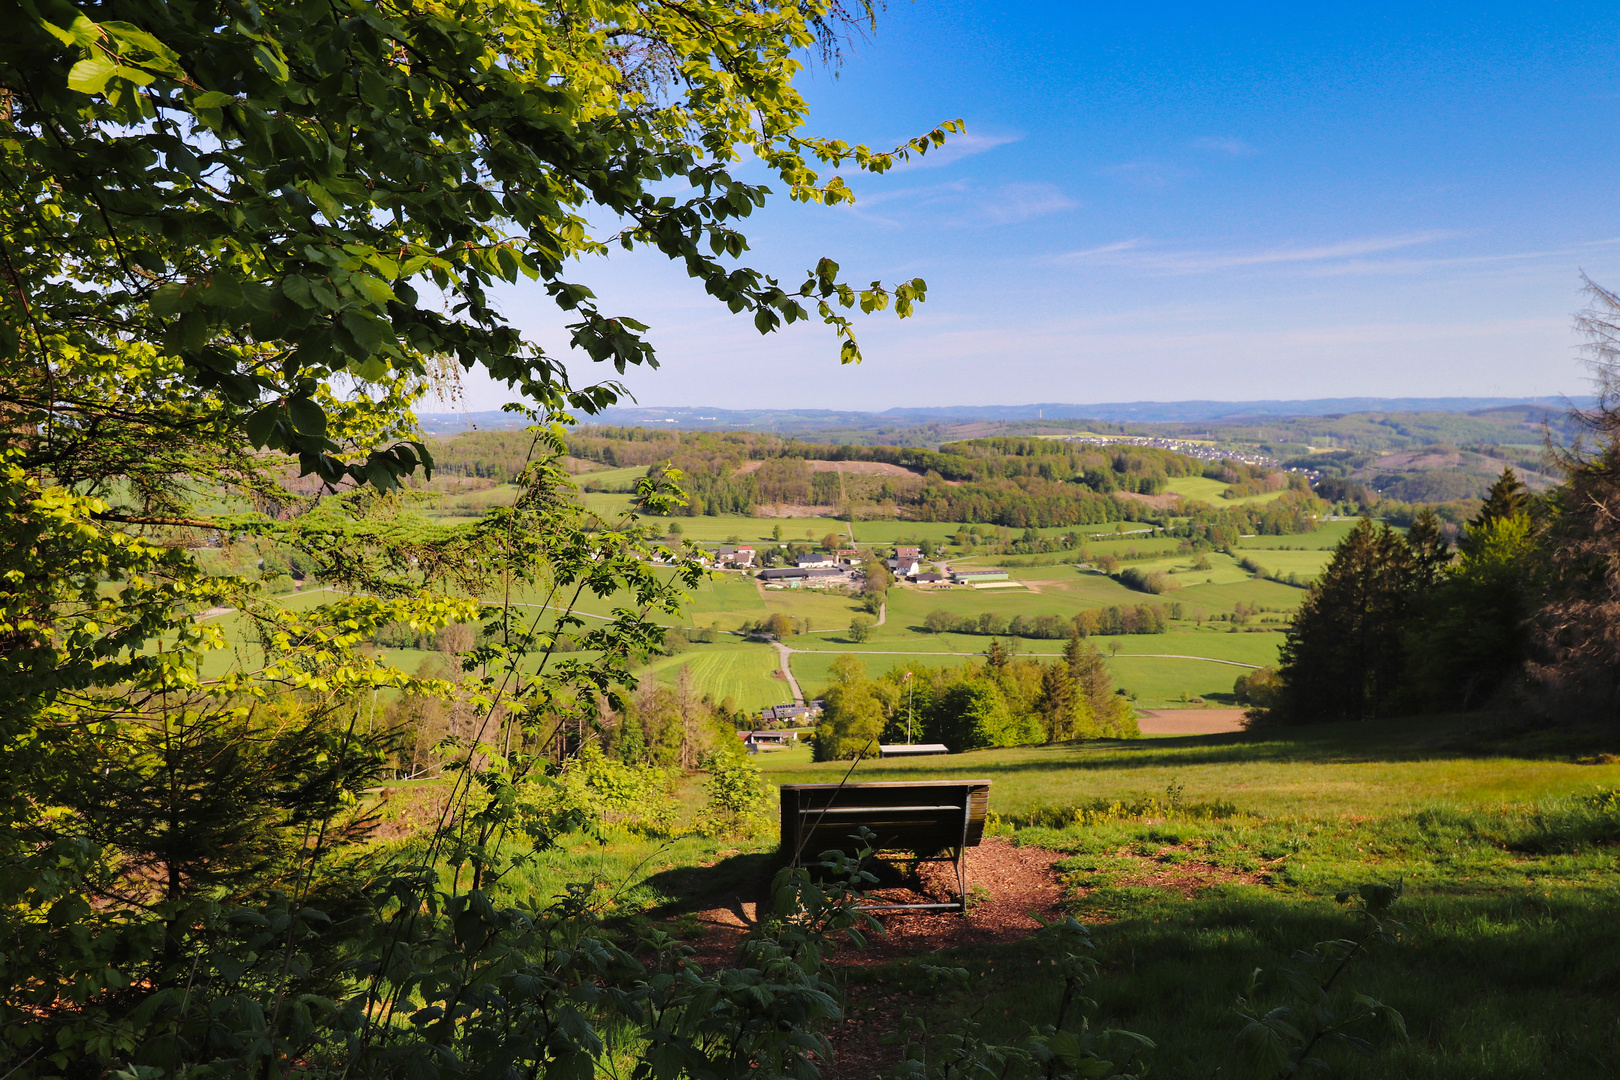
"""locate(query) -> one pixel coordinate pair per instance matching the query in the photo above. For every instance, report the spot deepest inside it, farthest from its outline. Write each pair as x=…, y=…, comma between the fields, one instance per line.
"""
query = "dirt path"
x=1189, y=721
x=784, y=656
x=1012, y=885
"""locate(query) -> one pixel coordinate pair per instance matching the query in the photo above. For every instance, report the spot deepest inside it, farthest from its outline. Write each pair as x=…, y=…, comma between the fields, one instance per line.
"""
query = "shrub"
x=739, y=798
x=1155, y=582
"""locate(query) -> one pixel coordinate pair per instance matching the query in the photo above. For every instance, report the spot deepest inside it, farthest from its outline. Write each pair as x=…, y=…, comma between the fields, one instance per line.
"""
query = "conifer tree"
x=1343, y=658
x=1508, y=497
x=1577, y=640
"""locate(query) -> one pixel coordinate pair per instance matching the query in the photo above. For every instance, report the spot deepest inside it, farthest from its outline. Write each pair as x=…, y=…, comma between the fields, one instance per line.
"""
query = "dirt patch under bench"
x=1008, y=887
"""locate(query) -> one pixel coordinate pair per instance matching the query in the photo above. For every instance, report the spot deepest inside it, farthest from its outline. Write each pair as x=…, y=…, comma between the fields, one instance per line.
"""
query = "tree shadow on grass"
x=1473, y=735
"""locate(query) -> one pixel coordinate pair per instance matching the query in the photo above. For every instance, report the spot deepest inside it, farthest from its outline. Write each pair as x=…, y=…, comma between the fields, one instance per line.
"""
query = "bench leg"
x=961, y=877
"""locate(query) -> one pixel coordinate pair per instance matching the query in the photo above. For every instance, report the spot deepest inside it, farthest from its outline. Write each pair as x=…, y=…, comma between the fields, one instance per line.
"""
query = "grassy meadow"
x=1209, y=588
x=1213, y=491
x=1202, y=864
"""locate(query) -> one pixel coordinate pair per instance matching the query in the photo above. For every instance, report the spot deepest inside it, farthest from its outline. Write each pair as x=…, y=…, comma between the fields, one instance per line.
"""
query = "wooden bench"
x=935, y=820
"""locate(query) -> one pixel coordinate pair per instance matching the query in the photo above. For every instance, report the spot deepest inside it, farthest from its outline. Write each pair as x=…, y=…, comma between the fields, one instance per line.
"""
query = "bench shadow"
x=731, y=883
x=741, y=884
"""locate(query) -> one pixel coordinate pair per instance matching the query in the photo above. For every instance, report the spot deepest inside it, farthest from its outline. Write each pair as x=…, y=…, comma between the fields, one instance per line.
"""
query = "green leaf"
x=173, y=298
x=272, y=64
x=369, y=333
x=223, y=290
x=321, y=198
x=307, y=417
x=261, y=425
x=372, y=369
x=374, y=289
x=90, y=75
x=82, y=33
x=212, y=99
x=296, y=289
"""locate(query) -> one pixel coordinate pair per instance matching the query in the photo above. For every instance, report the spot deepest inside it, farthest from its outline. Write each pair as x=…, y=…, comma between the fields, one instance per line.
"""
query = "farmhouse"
x=734, y=556
x=911, y=553
x=904, y=568
x=979, y=575
x=929, y=579
x=793, y=577
x=774, y=738
x=816, y=560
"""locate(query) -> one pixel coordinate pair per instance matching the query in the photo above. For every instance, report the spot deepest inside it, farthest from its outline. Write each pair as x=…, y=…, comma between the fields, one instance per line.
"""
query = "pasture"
x=744, y=672
x=1203, y=864
x=1206, y=863
x=1213, y=491
x=1157, y=670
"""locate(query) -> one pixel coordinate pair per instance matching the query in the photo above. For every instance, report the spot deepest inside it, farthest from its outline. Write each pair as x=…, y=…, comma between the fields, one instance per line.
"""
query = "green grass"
x=889, y=532
x=1325, y=538
x=745, y=673
x=1223, y=570
x=1207, y=862
x=1157, y=679
x=1307, y=564
x=1225, y=597
x=610, y=480
x=1159, y=682
x=1316, y=772
x=1227, y=864
x=1210, y=491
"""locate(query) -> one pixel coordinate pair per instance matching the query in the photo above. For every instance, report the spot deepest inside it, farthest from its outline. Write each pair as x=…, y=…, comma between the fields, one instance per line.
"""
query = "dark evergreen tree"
x=1577, y=636
x=1343, y=658
x=1470, y=630
x=1430, y=552
x=1507, y=498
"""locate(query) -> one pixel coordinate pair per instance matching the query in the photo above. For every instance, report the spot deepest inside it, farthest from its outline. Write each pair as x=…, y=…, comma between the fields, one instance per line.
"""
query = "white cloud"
x=1148, y=174
x=955, y=149
x=1012, y=203
x=1135, y=253
x=963, y=203
x=1105, y=249
x=1233, y=147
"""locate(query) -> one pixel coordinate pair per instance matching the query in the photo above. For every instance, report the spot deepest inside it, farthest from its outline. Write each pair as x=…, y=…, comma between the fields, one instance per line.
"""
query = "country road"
x=787, y=671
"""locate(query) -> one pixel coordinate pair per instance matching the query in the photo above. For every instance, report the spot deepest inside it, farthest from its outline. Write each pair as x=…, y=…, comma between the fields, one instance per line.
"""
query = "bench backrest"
x=922, y=816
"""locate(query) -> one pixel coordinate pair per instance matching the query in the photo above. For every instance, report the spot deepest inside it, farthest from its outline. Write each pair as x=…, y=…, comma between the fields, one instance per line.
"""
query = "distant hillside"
x=894, y=421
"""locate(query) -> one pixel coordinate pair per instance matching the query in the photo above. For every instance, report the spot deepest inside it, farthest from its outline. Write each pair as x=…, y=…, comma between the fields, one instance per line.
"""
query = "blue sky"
x=1168, y=203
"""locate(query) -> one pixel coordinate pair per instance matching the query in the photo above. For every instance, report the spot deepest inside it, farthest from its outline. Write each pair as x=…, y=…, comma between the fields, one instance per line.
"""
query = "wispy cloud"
x=1105, y=249
x=963, y=203
x=1232, y=147
x=955, y=149
x=1148, y=174
x=1012, y=203
x=1139, y=254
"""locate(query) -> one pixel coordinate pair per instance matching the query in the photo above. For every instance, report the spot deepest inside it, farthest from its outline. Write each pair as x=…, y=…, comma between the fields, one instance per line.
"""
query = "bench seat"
x=931, y=819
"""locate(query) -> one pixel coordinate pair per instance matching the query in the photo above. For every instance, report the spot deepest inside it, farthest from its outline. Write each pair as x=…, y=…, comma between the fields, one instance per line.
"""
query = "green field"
x=1161, y=671
x=1210, y=491
x=613, y=479
x=1331, y=770
x=745, y=673
x=1220, y=857
x=1326, y=537
x=728, y=600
